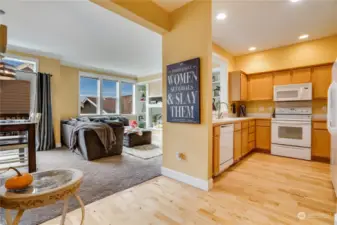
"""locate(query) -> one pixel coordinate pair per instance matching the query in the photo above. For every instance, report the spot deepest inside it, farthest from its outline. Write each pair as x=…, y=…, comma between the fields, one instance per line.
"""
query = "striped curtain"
x=45, y=137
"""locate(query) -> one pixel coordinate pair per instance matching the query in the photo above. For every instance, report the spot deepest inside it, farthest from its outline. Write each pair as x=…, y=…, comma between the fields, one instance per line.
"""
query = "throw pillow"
x=84, y=119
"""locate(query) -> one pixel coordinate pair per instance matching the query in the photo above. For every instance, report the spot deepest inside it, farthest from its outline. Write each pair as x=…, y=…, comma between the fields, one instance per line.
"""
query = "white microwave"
x=293, y=92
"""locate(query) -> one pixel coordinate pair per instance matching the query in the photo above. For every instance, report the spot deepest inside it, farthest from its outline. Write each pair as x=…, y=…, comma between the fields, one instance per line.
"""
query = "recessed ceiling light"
x=304, y=36
x=221, y=16
x=252, y=49
x=295, y=0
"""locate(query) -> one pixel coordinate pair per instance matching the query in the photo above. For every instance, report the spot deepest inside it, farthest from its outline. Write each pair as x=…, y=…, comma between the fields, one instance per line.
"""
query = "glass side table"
x=47, y=188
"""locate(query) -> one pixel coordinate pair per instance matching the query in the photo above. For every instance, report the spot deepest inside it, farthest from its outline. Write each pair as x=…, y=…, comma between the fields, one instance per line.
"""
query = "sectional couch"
x=89, y=144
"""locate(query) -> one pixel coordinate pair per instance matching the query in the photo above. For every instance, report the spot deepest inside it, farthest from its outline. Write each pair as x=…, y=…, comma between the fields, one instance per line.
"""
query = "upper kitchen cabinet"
x=321, y=79
x=300, y=76
x=282, y=77
x=238, y=87
x=260, y=87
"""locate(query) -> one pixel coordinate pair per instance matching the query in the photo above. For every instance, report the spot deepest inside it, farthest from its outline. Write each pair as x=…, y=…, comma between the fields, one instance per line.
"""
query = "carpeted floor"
x=102, y=178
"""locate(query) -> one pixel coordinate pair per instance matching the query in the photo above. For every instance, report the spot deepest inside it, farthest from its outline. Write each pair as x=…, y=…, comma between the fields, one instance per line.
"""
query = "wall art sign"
x=183, y=92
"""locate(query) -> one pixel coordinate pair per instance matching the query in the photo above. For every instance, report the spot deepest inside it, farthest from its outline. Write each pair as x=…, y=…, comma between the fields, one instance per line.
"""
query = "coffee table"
x=47, y=188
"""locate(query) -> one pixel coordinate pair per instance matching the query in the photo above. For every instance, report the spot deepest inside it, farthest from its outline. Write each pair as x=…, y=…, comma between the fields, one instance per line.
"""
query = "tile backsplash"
x=318, y=106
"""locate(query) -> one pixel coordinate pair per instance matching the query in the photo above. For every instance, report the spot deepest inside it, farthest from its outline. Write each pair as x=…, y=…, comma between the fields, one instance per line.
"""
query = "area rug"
x=144, y=151
x=102, y=178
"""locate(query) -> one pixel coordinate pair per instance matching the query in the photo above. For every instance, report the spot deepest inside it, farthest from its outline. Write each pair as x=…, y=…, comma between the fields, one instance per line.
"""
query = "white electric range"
x=291, y=131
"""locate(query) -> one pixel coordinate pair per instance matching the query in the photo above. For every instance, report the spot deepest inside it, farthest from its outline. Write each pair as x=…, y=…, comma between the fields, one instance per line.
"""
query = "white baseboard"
x=58, y=145
x=205, y=185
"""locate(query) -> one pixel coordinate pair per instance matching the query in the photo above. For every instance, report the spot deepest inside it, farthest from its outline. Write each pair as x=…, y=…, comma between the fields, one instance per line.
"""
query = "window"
x=127, y=98
x=25, y=70
x=89, y=95
x=101, y=95
x=21, y=64
x=109, y=93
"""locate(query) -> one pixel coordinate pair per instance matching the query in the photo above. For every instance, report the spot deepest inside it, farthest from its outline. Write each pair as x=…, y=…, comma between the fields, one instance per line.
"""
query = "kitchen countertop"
x=229, y=120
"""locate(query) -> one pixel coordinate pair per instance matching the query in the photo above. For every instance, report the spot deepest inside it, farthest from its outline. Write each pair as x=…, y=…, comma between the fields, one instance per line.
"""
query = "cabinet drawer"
x=251, y=130
x=237, y=126
x=251, y=145
x=244, y=125
x=251, y=137
x=251, y=123
x=263, y=123
x=216, y=131
x=320, y=125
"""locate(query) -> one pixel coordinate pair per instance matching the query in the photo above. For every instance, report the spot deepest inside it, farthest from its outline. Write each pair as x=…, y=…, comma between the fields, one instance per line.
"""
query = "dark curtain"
x=45, y=137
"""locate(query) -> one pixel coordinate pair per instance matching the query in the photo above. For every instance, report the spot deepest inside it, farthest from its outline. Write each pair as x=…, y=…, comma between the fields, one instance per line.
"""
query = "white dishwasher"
x=226, y=146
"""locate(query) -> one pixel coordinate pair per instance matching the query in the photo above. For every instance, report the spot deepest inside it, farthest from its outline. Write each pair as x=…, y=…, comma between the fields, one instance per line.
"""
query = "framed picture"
x=183, y=92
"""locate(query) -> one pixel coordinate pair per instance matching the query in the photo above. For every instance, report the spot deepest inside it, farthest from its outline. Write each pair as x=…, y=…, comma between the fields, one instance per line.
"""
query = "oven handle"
x=291, y=122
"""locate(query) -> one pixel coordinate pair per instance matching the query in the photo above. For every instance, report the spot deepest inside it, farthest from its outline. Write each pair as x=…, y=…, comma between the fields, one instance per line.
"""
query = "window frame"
x=29, y=60
x=100, y=78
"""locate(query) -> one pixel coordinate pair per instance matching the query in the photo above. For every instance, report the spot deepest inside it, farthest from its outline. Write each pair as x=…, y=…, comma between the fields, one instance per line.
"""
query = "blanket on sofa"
x=104, y=132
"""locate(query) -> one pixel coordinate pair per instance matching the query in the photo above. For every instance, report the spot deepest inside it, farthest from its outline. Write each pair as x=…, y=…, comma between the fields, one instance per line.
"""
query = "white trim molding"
x=205, y=185
x=58, y=145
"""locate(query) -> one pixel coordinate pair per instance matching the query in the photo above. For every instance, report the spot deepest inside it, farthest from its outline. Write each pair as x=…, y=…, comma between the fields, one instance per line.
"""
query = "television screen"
x=14, y=97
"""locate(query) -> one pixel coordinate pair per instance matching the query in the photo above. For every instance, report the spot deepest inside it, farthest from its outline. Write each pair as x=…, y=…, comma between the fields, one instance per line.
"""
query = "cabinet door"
x=216, y=154
x=321, y=143
x=282, y=78
x=244, y=91
x=321, y=79
x=301, y=76
x=244, y=141
x=263, y=139
x=260, y=87
x=237, y=145
x=251, y=146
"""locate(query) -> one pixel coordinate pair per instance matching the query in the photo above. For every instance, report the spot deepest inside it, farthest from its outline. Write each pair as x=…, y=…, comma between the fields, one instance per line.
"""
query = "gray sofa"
x=89, y=144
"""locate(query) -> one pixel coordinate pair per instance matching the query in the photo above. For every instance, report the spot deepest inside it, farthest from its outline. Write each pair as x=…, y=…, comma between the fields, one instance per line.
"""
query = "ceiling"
x=271, y=23
x=83, y=34
x=171, y=5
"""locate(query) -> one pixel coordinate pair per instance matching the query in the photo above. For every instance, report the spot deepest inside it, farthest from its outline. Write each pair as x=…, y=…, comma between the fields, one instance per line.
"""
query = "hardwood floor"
x=262, y=189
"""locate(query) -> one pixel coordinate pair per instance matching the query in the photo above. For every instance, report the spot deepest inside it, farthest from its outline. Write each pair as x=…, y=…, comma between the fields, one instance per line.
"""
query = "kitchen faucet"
x=219, y=114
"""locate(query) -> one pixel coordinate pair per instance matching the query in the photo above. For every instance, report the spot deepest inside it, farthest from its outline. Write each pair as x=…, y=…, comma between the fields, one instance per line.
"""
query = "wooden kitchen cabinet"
x=263, y=134
x=216, y=149
x=243, y=89
x=321, y=142
x=237, y=145
x=301, y=76
x=238, y=86
x=244, y=141
x=260, y=87
x=321, y=79
x=282, y=77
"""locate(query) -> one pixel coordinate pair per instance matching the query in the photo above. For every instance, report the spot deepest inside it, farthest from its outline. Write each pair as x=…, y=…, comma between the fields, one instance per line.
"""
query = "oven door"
x=294, y=133
x=287, y=94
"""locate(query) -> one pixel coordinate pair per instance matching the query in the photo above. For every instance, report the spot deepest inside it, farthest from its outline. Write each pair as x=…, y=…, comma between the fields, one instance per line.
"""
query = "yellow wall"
x=225, y=55
x=185, y=41
x=303, y=54
x=143, y=12
x=149, y=78
x=65, y=88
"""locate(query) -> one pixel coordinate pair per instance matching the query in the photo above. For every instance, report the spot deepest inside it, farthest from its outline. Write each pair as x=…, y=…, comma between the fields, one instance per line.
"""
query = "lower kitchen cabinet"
x=216, y=149
x=244, y=141
x=321, y=142
x=237, y=145
x=263, y=135
x=251, y=145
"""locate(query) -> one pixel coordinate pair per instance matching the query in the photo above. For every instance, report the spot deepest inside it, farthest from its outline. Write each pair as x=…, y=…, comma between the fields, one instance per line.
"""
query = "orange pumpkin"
x=20, y=181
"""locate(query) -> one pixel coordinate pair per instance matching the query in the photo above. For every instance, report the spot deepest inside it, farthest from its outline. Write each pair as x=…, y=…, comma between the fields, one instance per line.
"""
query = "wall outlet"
x=261, y=109
x=180, y=156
